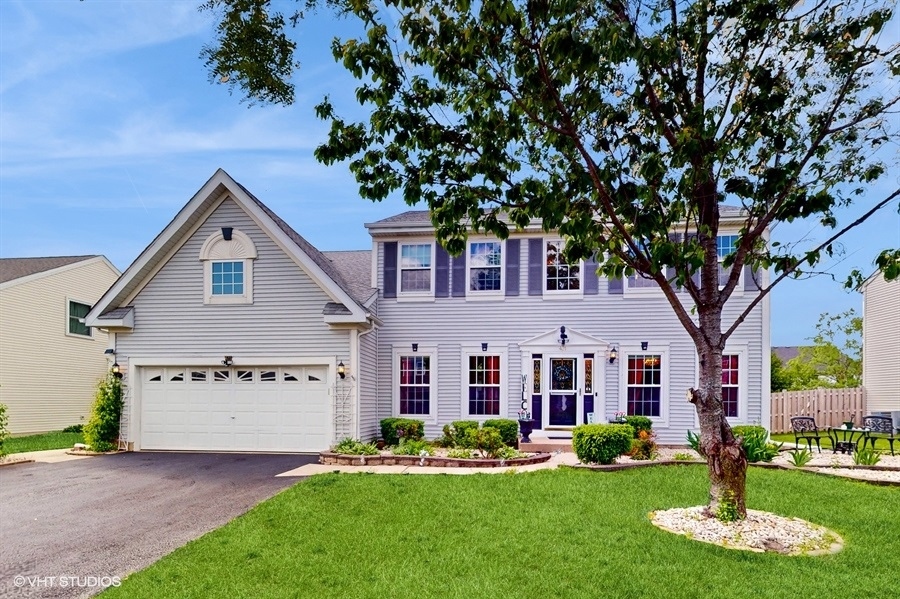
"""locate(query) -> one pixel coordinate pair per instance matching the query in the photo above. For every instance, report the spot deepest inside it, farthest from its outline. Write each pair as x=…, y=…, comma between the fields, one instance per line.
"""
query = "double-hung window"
x=731, y=384
x=485, y=266
x=416, y=272
x=77, y=312
x=414, y=384
x=561, y=277
x=644, y=388
x=725, y=245
x=484, y=385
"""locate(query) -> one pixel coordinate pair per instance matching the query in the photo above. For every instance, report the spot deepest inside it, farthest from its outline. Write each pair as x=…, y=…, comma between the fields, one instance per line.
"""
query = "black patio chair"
x=804, y=427
x=880, y=427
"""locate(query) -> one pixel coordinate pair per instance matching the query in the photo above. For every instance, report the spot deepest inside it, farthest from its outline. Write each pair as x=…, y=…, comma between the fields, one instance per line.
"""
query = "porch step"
x=546, y=445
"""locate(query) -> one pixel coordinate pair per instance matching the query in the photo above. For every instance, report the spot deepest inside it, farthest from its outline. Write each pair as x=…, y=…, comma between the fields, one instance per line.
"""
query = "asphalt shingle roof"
x=16, y=268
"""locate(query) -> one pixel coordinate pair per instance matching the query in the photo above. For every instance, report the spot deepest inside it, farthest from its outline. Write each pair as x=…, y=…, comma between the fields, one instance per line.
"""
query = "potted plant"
x=526, y=425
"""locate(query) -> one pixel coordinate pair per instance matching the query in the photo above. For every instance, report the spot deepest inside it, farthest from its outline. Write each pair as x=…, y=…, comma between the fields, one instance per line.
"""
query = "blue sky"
x=109, y=124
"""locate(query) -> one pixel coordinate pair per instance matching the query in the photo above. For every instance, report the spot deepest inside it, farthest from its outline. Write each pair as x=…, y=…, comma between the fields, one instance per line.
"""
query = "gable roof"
x=322, y=270
x=16, y=268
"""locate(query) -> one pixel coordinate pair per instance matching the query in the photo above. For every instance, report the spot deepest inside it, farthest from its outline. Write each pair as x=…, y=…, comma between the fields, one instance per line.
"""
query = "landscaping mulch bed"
x=336, y=459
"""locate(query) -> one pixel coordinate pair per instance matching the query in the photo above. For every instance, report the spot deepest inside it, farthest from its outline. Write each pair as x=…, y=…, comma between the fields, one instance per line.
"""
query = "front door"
x=563, y=404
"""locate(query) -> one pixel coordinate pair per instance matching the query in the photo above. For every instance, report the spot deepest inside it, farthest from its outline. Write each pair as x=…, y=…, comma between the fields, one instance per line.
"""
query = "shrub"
x=639, y=423
x=350, y=446
x=393, y=429
x=75, y=428
x=800, y=457
x=866, y=457
x=644, y=447
x=4, y=431
x=456, y=433
x=509, y=429
x=755, y=444
x=102, y=429
x=601, y=443
x=486, y=441
x=413, y=447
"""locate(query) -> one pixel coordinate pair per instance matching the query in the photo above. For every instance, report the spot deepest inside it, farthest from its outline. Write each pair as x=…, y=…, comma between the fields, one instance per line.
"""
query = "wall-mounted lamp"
x=227, y=361
x=110, y=351
x=226, y=233
x=563, y=338
x=415, y=346
x=484, y=347
x=644, y=345
x=613, y=355
x=342, y=371
x=117, y=372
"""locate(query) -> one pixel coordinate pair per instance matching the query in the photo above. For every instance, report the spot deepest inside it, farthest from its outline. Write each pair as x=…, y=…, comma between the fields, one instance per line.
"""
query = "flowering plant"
x=524, y=414
x=620, y=417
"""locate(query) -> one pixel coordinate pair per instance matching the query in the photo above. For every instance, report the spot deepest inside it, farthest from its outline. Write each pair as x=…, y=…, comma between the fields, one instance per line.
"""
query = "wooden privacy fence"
x=830, y=407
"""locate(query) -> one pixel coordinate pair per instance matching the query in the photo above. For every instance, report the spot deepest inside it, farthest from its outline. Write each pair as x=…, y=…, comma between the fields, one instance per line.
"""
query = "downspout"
x=356, y=349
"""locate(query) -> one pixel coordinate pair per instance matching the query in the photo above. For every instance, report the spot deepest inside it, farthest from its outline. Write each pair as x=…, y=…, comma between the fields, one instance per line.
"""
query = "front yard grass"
x=53, y=440
x=566, y=534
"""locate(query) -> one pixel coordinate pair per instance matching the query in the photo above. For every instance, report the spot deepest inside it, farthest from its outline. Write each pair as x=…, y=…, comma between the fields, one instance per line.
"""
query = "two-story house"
x=235, y=333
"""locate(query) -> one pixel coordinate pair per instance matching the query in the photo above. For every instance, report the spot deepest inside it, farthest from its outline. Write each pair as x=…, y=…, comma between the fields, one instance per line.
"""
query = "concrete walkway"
x=556, y=460
x=50, y=456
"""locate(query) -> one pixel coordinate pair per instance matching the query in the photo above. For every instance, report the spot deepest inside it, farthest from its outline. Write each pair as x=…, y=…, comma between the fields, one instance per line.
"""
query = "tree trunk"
x=724, y=455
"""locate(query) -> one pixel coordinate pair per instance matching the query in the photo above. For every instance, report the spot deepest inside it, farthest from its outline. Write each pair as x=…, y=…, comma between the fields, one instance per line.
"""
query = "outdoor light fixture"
x=484, y=347
x=613, y=355
x=226, y=233
x=415, y=347
x=117, y=372
x=110, y=351
x=342, y=372
x=563, y=338
x=644, y=345
x=227, y=361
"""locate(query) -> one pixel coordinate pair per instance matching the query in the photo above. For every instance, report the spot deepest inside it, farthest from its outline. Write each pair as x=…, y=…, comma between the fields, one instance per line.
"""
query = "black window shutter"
x=513, y=255
x=751, y=284
x=390, y=269
x=441, y=272
x=591, y=283
x=670, y=270
x=459, y=276
x=536, y=260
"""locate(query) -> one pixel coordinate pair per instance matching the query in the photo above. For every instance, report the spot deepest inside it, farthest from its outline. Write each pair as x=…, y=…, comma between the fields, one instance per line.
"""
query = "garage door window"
x=268, y=376
x=245, y=376
x=198, y=376
x=222, y=376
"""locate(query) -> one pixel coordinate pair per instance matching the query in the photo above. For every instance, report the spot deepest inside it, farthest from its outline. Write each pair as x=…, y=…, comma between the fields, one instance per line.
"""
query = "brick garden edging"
x=338, y=459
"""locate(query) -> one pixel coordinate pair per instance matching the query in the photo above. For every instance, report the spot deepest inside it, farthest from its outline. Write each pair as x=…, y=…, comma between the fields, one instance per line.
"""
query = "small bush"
x=866, y=457
x=486, y=441
x=456, y=433
x=639, y=423
x=413, y=447
x=644, y=447
x=754, y=441
x=509, y=453
x=509, y=429
x=350, y=446
x=601, y=443
x=394, y=429
x=75, y=428
x=800, y=457
x=4, y=431
x=101, y=432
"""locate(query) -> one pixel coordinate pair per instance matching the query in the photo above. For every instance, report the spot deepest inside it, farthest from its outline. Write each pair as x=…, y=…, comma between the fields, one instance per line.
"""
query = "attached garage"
x=218, y=408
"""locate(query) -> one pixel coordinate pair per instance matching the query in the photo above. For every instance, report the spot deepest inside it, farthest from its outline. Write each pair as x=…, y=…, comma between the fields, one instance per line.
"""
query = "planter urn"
x=526, y=426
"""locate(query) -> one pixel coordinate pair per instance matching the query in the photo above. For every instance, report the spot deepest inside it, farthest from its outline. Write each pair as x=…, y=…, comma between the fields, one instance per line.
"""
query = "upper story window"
x=227, y=257
x=561, y=277
x=77, y=312
x=416, y=272
x=485, y=266
x=637, y=283
x=725, y=245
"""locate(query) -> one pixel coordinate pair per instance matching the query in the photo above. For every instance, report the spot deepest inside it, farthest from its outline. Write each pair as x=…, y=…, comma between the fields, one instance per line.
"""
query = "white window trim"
x=415, y=295
x=651, y=291
x=661, y=349
x=406, y=350
x=472, y=294
x=555, y=293
x=239, y=249
x=742, y=351
x=69, y=302
x=467, y=352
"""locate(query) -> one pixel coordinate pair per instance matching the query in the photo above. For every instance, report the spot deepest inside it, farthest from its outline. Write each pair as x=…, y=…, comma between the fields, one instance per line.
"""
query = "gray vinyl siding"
x=881, y=350
x=370, y=411
x=284, y=321
x=622, y=320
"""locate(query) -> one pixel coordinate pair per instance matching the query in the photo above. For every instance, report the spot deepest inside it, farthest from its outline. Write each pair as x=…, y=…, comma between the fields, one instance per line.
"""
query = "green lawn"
x=54, y=440
x=881, y=444
x=567, y=534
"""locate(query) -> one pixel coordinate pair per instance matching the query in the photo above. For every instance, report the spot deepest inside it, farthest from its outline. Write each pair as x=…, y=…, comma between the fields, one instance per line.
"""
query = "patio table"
x=846, y=440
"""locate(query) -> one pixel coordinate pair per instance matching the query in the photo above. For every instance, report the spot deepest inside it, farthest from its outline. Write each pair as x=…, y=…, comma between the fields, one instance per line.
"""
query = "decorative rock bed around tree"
x=337, y=459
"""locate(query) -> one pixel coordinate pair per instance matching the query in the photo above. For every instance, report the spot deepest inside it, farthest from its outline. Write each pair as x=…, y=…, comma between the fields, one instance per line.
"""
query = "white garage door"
x=235, y=409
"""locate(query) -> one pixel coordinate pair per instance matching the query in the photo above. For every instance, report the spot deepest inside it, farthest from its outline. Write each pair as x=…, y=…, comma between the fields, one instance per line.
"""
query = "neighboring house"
x=50, y=361
x=232, y=331
x=881, y=344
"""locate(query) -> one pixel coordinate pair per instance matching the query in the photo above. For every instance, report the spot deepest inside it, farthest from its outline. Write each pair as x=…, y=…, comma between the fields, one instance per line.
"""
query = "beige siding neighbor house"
x=50, y=360
x=881, y=344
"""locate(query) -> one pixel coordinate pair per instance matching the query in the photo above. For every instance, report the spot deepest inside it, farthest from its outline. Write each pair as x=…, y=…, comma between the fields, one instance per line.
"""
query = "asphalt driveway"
x=67, y=529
